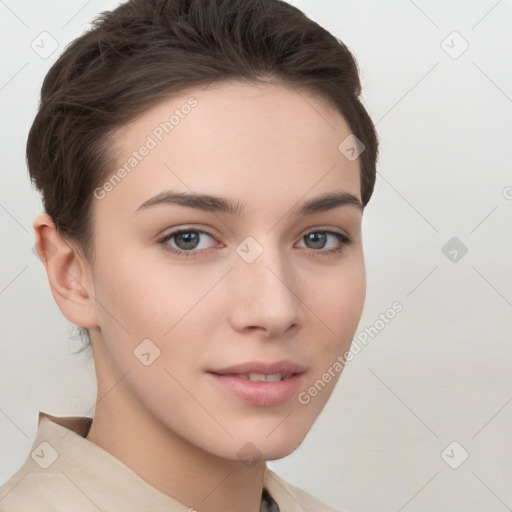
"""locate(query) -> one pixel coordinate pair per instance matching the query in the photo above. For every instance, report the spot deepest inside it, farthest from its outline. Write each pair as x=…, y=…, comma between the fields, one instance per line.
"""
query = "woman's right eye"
x=186, y=241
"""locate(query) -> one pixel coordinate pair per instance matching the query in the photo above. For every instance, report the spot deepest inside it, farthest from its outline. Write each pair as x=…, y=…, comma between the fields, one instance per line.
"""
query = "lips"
x=261, y=384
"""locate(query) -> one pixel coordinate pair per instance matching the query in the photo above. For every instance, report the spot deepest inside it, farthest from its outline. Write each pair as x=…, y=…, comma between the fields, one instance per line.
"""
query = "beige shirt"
x=65, y=472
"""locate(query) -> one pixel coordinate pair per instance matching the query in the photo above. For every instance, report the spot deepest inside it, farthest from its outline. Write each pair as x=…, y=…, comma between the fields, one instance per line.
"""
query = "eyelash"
x=344, y=239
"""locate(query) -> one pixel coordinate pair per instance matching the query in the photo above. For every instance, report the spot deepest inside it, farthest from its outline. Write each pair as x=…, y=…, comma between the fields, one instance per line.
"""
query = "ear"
x=69, y=274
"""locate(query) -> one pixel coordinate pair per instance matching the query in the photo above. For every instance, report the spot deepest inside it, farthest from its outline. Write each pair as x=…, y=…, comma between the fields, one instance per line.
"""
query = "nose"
x=263, y=295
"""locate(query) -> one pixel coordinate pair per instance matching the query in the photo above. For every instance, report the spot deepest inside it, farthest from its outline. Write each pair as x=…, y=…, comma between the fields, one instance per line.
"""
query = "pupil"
x=190, y=240
x=316, y=238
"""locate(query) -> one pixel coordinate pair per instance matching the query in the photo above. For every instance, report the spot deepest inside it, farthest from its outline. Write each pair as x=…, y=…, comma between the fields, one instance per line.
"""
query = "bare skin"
x=270, y=148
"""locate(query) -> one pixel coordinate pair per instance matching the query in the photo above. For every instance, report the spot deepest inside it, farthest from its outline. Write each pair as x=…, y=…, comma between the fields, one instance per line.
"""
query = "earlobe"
x=68, y=273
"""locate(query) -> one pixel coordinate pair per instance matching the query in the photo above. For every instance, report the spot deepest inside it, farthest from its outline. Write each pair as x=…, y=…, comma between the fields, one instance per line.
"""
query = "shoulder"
x=291, y=498
x=31, y=490
x=52, y=476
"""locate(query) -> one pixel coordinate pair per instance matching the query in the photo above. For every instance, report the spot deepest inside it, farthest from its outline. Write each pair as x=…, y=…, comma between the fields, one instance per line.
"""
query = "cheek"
x=168, y=304
x=144, y=294
x=339, y=299
x=333, y=320
x=336, y=309
x=151, y=314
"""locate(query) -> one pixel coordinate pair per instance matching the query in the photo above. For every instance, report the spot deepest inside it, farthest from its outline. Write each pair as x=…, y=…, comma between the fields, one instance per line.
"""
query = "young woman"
x=204, y=166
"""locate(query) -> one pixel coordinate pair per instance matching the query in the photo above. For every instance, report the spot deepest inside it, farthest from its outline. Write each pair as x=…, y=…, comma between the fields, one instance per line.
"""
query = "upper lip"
x=285, y=366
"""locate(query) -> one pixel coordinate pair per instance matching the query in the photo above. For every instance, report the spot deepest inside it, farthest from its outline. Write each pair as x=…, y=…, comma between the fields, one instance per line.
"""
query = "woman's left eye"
x=319, y=238
x=187, y=242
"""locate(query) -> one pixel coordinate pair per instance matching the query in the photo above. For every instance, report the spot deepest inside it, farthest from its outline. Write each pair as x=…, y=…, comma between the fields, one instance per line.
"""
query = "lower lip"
x=263, y=394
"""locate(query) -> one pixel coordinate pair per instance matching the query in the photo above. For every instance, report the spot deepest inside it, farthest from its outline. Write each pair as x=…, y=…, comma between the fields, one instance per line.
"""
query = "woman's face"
x=268, y=285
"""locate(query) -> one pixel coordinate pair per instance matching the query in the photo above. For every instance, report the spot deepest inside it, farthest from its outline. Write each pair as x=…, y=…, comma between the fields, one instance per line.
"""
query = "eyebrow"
x=211, y=203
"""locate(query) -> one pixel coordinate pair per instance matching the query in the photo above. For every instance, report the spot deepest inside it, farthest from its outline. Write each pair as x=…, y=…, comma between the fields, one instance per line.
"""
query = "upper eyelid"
x=176, y=231
x=205, y=231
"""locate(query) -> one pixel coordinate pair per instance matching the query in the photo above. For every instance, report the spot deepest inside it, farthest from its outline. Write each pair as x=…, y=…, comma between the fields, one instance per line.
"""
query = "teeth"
x=257, y=377
x=274, y=377
x=260, y=377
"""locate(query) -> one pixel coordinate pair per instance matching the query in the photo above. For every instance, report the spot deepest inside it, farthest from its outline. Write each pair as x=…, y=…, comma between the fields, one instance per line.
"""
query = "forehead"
x=245, y=141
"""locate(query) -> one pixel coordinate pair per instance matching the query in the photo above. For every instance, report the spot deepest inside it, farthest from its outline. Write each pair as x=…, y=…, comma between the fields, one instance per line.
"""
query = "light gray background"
x=441, y=370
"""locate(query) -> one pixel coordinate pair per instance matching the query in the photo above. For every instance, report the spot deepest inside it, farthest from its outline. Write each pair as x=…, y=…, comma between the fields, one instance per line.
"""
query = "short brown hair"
x=146, y=50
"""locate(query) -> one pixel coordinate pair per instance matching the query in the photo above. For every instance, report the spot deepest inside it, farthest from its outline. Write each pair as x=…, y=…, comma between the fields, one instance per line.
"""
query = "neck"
x=195, y=478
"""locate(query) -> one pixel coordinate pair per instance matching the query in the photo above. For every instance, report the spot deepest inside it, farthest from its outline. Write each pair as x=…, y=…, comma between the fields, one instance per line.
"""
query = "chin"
x=282, y=451
x=268, y=444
